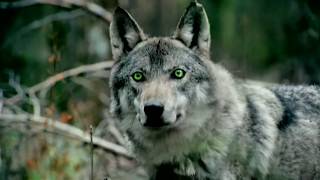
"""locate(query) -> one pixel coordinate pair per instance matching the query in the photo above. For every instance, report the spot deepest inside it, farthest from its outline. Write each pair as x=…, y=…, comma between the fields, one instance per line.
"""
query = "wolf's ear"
x=125, y=33
x=194, y=29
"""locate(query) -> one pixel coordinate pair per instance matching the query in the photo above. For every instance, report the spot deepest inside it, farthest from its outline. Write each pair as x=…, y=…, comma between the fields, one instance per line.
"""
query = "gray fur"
x=219, y=127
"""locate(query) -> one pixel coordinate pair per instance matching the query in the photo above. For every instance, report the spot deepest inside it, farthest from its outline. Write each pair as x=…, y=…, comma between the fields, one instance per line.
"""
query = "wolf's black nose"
x=154, y=110
x=153, y=113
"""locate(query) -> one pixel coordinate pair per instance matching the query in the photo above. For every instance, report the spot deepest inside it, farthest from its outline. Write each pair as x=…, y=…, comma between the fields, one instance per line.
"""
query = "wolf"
x=187, y=117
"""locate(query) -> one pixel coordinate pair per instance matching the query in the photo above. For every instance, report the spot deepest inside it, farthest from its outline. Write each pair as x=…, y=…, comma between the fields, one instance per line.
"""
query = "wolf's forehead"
x=160, y=52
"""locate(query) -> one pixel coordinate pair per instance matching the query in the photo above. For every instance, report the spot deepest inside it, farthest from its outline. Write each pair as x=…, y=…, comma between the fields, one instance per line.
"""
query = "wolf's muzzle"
x=153, y=112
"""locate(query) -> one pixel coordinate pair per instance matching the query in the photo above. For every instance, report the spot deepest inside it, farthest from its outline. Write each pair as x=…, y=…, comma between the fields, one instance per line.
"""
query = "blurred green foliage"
x=277, y=37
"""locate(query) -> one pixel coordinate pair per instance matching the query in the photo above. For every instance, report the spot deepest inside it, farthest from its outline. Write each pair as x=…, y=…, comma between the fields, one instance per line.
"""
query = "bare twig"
x=60, y=16
x=12, y=108
x=88, y=6
x=36, y=105
x=69, y=73
x=1, y=100
x=66, y=130
x=116, y=133
x=61, y=76
x=14, y=82
x=91, y=153
x=109, y=124
x=87, y=84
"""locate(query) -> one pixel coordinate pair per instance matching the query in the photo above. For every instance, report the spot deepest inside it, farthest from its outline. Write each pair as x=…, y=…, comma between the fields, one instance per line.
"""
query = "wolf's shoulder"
x=298, y=97
x=301, y=104
x=297, y=104
x=290, y=95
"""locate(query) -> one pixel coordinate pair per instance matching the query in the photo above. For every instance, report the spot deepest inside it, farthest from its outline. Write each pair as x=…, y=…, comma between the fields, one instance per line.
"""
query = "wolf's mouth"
x=159, y=123
x=155, y=123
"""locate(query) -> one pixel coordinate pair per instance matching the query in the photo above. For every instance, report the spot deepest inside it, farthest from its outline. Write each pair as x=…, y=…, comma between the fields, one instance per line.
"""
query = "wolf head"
x=155, y=78
x=167, y=86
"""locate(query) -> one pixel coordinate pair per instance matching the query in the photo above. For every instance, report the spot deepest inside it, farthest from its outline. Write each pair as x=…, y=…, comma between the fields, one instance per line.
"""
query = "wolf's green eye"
x=138, y=76
x=178, y=74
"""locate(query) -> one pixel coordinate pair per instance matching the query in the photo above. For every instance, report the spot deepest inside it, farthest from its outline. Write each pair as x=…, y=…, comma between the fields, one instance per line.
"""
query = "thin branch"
x=66, y=130
x=60, y=16
x=1, y=101
x=51, y=81
x=88, y=6
x=36, y=105
x=109, y=125
x=14, y=82
x=116, y=133
x=91, y=153
x=69, y=73
x=12, y=108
